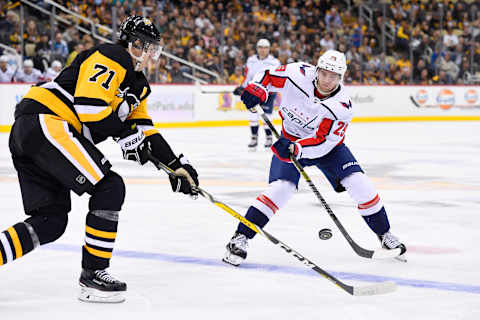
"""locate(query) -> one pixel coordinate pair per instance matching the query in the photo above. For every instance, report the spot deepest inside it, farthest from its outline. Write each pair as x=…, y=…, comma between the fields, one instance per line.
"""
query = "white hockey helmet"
x=4, y=58
x=56, y=64
x=263, y=43
x=333, y=60
x=28, y=63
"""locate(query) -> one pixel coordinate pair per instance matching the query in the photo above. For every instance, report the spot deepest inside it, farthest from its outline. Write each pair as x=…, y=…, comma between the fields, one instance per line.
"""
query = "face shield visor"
x=143, y=51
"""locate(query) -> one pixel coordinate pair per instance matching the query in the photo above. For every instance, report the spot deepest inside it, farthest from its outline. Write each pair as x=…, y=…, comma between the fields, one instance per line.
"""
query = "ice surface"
x=169, y=247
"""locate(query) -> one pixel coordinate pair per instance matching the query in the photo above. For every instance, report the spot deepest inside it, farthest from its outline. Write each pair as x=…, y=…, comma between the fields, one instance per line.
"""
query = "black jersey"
x=89, y=93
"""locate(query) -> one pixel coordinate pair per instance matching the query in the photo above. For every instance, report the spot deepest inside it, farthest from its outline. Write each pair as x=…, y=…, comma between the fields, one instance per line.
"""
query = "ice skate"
x=268, y=142
x=252, y=146
x=100, y=286
x=389, y=241
x=236, y=250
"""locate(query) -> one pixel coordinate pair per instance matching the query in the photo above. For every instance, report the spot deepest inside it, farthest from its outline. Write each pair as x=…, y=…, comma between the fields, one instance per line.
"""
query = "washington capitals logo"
x=302, y=69
x=347, y=105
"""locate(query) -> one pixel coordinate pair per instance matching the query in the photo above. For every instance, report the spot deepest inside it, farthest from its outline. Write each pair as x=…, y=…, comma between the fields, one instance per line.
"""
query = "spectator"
x=162, y=74
x=203, y=22
x=59, y=47
x=79, y=47
x=449, y=67
x=332, y=19
x=176, y=73
x=198, y=24
x=450, y=40
x=28, y=74
x=424, y=78
x=327, y=42
x=441, y=78
x=237, y=77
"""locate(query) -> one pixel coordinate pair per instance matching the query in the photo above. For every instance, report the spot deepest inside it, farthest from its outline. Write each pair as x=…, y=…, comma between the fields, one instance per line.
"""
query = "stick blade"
x=386, y=254
x=375, y=289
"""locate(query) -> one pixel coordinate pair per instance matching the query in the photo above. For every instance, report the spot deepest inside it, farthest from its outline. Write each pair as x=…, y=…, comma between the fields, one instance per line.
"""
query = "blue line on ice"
x=278, y=269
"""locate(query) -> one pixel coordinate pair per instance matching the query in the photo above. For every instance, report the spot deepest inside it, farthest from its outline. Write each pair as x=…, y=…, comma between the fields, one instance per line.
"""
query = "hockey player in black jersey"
x=101, y=94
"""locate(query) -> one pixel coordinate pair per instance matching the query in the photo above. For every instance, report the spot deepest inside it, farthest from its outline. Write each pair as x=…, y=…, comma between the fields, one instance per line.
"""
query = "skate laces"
x=390, y=241
x=240, y=241
x=105, y=276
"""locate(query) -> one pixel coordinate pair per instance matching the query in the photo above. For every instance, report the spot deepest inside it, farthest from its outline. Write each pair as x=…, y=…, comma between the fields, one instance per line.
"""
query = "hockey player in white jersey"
x=28, y=74
x=53, y=71
x=6, y=72
x=316, y=112
x=256, y=63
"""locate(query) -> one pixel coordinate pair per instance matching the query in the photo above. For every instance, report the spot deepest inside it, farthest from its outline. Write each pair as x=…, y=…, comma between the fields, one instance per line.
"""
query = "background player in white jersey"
x=316, y=111
x=28, y=74
x=53, y=71
x=6, y=72
x=256, y=63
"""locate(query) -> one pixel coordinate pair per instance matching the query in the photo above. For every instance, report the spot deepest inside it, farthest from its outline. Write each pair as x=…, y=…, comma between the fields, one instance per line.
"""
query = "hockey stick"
x=415, y=103
x=362, y=252
x=369, y=290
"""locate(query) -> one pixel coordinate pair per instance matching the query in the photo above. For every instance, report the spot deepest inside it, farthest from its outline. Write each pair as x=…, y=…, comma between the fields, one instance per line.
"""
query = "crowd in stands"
x=426, y=42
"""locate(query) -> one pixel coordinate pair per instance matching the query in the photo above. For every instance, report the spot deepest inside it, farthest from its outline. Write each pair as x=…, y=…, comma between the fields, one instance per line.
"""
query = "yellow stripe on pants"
x=56, y=129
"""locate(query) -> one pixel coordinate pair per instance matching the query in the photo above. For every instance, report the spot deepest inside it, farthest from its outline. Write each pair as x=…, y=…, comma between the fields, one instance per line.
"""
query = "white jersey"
x=317, y=123
x=50, y=74
x=255, y=65
x=34, y=76
x=7, y=75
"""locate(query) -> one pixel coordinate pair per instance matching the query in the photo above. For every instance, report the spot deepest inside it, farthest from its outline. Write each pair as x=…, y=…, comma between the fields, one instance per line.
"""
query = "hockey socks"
x=257, y=217
x=378, y=222
x=254, y=130
x=16, y=241
x=100, y=234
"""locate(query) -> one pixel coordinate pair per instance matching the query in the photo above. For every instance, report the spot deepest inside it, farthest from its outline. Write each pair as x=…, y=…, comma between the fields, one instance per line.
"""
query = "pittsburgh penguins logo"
x=81, y=179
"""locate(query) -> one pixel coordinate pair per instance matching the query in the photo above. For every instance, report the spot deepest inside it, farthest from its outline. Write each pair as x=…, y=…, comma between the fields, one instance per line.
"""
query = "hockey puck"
x=325, y=234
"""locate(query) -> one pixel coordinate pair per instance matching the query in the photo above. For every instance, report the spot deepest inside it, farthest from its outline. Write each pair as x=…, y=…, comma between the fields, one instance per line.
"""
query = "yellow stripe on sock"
x=101, y=234
x=16, y=242
x=1, y=258
x=98, y=253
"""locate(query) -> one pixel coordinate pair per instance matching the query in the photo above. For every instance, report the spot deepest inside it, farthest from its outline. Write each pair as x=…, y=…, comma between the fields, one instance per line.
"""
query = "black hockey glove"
x=129, y=98
x=186, y=178
x=238, y=90
x=134, y=145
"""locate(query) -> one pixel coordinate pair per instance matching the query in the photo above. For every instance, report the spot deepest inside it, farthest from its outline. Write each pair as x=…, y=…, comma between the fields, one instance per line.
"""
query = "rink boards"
x=215, y=105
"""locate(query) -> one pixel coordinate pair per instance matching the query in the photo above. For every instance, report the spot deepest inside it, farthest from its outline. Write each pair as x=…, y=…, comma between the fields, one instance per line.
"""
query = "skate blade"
x=401, y=258
x=232, y=259
x=96, y=296
x=252, y=149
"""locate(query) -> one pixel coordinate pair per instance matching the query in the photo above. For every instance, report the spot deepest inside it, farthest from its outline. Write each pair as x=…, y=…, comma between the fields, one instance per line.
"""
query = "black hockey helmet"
x=137, y=27
x=140, y=33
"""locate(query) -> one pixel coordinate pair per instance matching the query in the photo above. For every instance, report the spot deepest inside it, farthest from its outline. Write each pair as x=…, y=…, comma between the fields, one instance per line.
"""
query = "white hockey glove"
x=134, y=145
